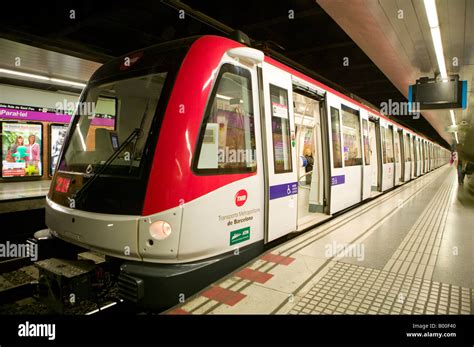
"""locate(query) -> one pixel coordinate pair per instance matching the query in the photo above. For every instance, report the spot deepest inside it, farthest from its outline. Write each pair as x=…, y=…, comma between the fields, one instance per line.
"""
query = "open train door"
x=311, y=150
x=279, y=127
x=369, y=165
x=375, y=155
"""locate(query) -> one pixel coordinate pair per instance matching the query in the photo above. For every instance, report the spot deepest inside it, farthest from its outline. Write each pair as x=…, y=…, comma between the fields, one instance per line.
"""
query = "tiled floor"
x=418, y=252
x=407, y=252
x=352, y=289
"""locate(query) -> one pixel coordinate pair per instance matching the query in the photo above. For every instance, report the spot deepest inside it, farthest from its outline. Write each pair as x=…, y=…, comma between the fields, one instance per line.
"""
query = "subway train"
x=217, y=149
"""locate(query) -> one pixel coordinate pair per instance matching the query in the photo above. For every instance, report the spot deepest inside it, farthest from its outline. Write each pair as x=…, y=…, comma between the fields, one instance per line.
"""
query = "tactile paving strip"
x=417, y=253
x=352, y=289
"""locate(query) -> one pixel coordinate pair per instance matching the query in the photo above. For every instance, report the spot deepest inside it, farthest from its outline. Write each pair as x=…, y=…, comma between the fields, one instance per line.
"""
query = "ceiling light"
x=24, y=74
x=453, y=118
x=456, y=136
x=432, y=14
x=77, y=84
x=43, y=78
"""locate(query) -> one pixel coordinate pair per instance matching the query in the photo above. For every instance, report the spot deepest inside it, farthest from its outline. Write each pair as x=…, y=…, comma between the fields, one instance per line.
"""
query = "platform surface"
x=20, y=190
x=409, y=251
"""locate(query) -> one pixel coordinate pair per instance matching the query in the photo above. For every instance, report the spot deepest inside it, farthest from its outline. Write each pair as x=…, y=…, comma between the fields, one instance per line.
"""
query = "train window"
x=365, y=127
x=351, y=136
x=390, y=144
x=336, y=138
x=227, y=141
x=132, y=102
x=407, y=151
x=280, y=129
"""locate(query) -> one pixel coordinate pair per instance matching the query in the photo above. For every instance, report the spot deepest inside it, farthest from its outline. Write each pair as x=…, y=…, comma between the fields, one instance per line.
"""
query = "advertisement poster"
x=21, y=150
x=58, y=133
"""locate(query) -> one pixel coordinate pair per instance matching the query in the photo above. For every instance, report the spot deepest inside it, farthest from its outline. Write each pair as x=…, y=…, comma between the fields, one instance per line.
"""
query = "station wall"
x=36, y=100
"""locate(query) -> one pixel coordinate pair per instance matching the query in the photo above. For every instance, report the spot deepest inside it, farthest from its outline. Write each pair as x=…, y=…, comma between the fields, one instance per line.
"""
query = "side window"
x=280, y=129
x=351, y=136
x=336, y=138
x=227, y=138
x=365, y=126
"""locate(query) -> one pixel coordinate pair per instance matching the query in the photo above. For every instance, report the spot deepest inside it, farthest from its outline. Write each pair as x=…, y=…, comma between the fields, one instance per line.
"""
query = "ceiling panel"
x=44, y=62
x=402, y=47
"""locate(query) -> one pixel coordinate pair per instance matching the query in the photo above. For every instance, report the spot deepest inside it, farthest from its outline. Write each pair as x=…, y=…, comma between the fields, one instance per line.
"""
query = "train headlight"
x=160, y=230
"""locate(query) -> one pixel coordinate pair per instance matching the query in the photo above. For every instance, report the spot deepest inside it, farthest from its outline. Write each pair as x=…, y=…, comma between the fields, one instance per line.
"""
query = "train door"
x=402, y=154
x=431, y=157
x=413, y=157
x=428, y=149
x=281, y=155
x=422, y=149
x=386, y=132
x=374, y=157
x=427, y=157
x=418, y=157
x=309, y=152
x=407, y=153
x=368, y=165
x=398, y=161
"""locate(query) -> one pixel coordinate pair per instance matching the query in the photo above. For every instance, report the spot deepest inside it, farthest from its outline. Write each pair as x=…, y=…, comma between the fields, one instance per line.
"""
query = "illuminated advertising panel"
x=21, y=150
x=57, y=133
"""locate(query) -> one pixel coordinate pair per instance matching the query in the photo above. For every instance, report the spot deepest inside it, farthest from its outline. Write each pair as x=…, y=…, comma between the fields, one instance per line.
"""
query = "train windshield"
x=114, y=121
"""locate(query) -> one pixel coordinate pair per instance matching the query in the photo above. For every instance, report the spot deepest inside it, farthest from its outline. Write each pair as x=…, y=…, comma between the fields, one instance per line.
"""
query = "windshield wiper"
x=134, y=134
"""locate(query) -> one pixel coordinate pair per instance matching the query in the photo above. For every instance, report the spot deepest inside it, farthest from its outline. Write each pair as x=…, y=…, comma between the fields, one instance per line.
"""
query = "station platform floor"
x=19, y=190
x=20, y=196
x=409, y=251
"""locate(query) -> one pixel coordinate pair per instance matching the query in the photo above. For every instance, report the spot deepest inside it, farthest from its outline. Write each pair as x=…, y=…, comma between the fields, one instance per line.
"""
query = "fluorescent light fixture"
x=43, y=78
x=71, y=83
x=23, y=74
x=456, y=136
x=223, y=97
x=438, y=46
x=432, y=14
x=453, y=119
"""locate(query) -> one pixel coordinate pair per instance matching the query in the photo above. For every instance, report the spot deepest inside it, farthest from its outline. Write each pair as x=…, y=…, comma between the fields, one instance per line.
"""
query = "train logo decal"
x=241, y=197
x=240, y=235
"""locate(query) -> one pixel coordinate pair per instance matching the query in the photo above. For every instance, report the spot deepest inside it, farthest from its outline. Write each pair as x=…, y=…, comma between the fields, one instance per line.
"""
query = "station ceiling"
x=101, y=30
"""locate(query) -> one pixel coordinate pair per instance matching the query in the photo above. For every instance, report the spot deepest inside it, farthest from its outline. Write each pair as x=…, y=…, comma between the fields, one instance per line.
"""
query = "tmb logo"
x=241, y=197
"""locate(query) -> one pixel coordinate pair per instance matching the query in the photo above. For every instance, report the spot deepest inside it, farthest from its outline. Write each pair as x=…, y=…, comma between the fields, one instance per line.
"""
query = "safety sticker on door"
x=282, y=190
x=240, y=235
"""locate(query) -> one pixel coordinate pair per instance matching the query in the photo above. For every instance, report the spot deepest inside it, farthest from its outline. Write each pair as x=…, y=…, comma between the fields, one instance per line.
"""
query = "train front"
x=98, y=193
x=124, y=177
